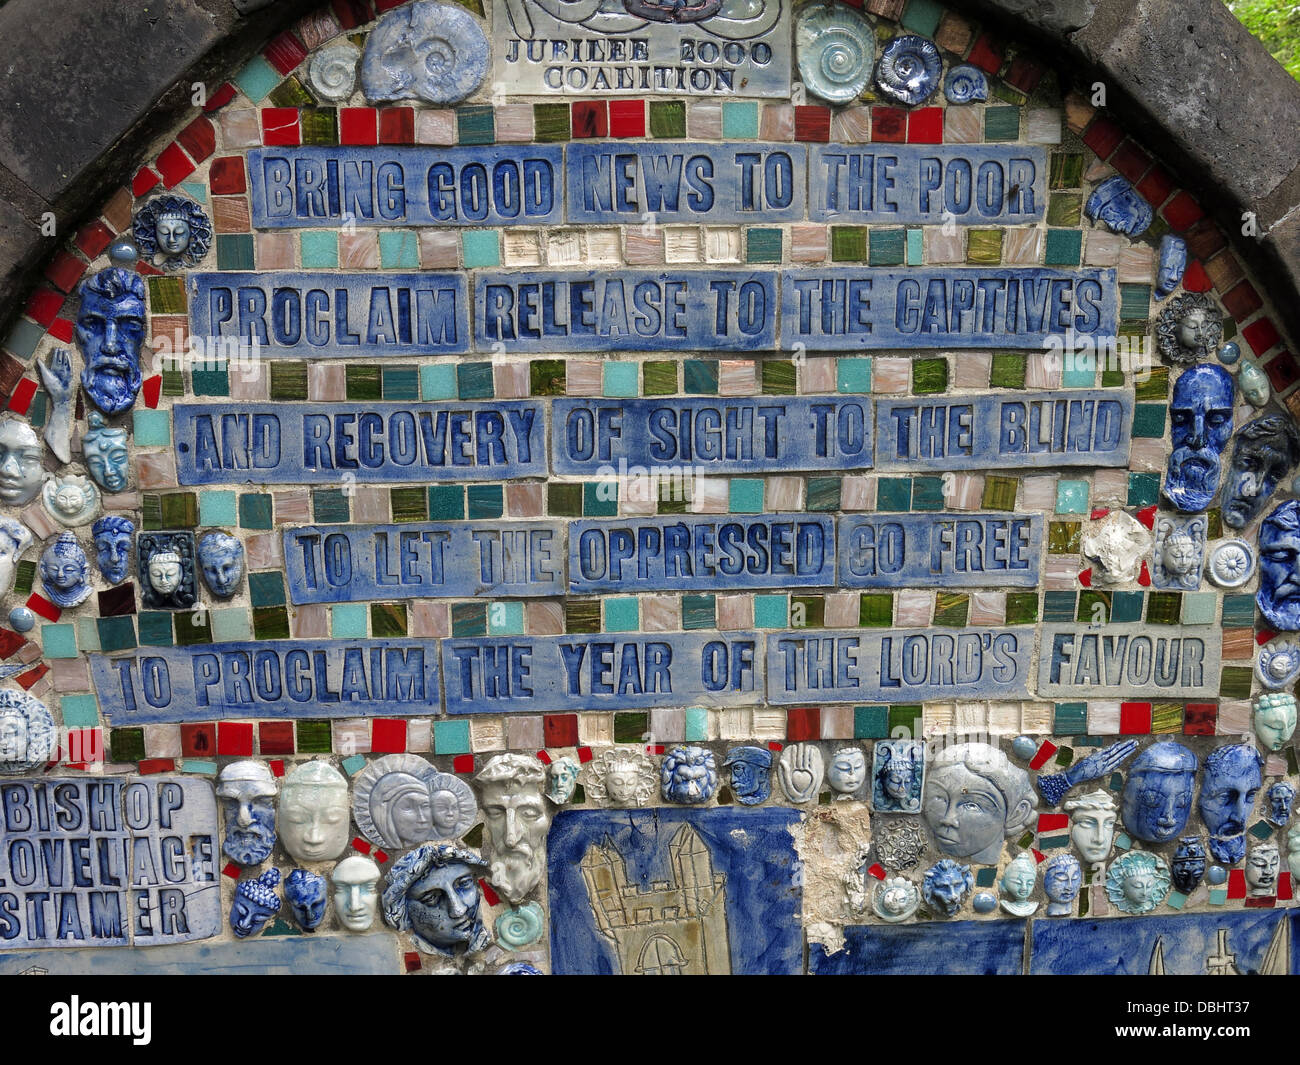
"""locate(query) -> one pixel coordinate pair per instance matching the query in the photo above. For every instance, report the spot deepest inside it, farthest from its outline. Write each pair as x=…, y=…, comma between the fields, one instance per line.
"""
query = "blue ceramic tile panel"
x=542, y=674
x=714, y=184
x=851, y=308
x=1128, y=662
x=366, y=315
x=985, y=184
x=898, y=665
x=275, y=443
x=965, y=948
x=760, y=434
x=323, y=187
x=999, y=431
x=944, y=550
x=750, y=925
x=350, y=563
x=294, y=678
x=1227, y=943
x=673, y=309
x=693, y=553
x=100, y=908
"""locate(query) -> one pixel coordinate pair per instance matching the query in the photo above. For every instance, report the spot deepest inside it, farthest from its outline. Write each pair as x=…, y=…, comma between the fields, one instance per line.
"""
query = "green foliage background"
x=1277, y=24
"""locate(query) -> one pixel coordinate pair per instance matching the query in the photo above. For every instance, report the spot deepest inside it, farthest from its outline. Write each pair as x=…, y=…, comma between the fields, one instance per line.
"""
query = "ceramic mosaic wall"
x=653, y=490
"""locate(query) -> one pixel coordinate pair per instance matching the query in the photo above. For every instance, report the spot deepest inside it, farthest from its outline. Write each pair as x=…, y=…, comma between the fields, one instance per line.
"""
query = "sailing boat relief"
x=1277, y=959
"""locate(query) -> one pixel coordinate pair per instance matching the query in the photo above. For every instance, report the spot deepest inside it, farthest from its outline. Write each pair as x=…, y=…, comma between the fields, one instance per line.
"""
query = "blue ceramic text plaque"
x=940, y=550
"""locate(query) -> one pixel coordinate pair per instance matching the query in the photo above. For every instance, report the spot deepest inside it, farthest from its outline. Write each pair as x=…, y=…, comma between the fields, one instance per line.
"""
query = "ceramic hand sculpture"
x=799, y=769
x=1102, y=763
x=56, y=376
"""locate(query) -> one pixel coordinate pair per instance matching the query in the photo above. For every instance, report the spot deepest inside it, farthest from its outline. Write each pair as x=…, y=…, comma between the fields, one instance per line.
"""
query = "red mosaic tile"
x=275, y=737
x=462, y=763
x=812, y=124
x=877, y=870
x=380, y=856
x=61, y=329
x=151, y=388
x=1267, y=903
x=1144, y=575
x=411, y=961
x=352, y=13
x=277, y=767
x=397, y=125
x=888, y=125
x=1284, y=893
x=65, y=270
x=220, y=98
x=359, y=844
x=627, y=118
x=1195, y=279
x=1024, y=74
x=387, y=5
x=803, y=723
x=388, y=736
x=199, y=741
x=589, y=118
x=1199, y=718
x=10, y=642
x=1156, y=186
x=226, y=176
x=774, y=745
x=285, y=53
x=26, y=680
x=235, y=738
x=38, y=604
x=231, y=869
x=542, y=757
x=85, y=745
x=1134, y=719
x=1282, y=371
x=1236, y=883
x=280, y=126
x=43, y=305
x=1085, y=577
x=1261, y=335
x=489, y=896
x=358, y=125
x=1045, y=751
x=560, y=730
x=1182, y=211
x=93, y=239
x=584, y=753
x=199, y=138
x=1102, y=136
x=1242, y=300
x=144, y=180
x=1130, y=160
x=21, y=398
x=157, y=765
x=925, y=126
x=1053, y=823
x=987, y=54
x=174, y=165
x=145, y=270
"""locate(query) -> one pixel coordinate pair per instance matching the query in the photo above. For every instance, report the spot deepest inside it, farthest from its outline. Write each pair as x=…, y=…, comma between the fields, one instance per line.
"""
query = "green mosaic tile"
x=951, y=608
x=1064, y=208
x=564, y=500
x=929, y=376
x=319, y=125
x=1022, y=608
x=631, y=726
x=1094, y=607
x=1072, y=496
x=876, y=610
x=399, y=250
x=126, y=744
x=1059, y=606
x=1134, y=302
x=314, y=737
x=667, y=119
x=266, y=588
x=235, y=251
x=888, y=247
x=823, y=494
x=210, y=382
x=1064, y=247
x=853, y=376
x=290, y=93
x=151, y=512
x=166, y=295
x=778, y=377
x=193, y=628
x=894, y=493
x=24, y=574
x=763, y=246
x=364, y=381
x=905, y=719
x=927, y=493
x=36, y=410
x=173, y=384
x=288, y=380
x=270, y=623
x=155, y=628
x=915, y=247
x=1153, y=385
x=1126, y=607
x=348, y=621
x=1008, y=370
x=257, y=78
x=871, y=722
x=848, y=244
x=622, y=615
x=446, y=502
x=1064, y=537
x=1000, y=492
x=551, y=122
x=1238, y=611
x=807, y=611
x=475, y=124
x=1112, y=378
x=1143, y=489
x=1000, y=90
x=1200, y=608
x=1234, y=683
x=329, y=506
x=700, y=377
x=582, y=616
x=699, y=612
x=745, y=495
x=599, y=499
x=922, y=16
x=255, y=511
x=474, y=380
x=1001, y=123
x=1149, y=420
x=1164, y=608
x=984, y=247
x=1069, y=719
x=469, y=619
x=1066, y=170
x=480, y=247
x=401, y=382
x=319, y=250
x=388, y=619
x=180, y=510
x=546, y=377
x=658, y=378
x=771, y=611
x=485, y=501
x=116, y=634
x=1166, y=717
x=409, y=504
x=619, y=379
x=986, y=877
x=1213, y=524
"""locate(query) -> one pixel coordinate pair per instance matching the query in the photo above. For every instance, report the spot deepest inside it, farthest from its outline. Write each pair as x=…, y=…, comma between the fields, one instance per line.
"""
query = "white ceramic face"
x=13, y=738
x=848, y=770
x=173, y=234
x=355, y=895
x=314, y=822
x=21, y=472
x=1092, y=832
x=164, y=575
x=620, y=784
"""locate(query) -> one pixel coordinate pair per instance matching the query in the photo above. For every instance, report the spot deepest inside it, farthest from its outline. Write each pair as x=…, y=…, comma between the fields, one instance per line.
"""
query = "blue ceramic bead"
x=1024, y=747
x=21, y=619
x=984, y=902
x=1229, y=353
x=1217, y=874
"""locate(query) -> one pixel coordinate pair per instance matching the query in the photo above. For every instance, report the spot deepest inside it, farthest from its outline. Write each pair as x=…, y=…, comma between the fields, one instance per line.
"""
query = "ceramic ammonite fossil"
x=835, y=49
x=909, y=69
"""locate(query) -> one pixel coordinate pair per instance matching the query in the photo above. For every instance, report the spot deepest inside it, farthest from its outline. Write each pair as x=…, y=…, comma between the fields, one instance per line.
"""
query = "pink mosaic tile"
x=818, y=376
x=162, y=741
x=660, y=613
x=1235, y=718
x=511, y=380
x=667, y=725
x=1148, y=455
x=250, y=383
x=970, y=369
x=851, y=126
x=419, y=734
x=524, y=732
x=439, y=248
x=808, y=244
x=1023, y=246
x=513, y=123
x=704, y=121
x=643, y=246
x=317, y=28
x=737, y=377
x=963, y=125
x=240, y=127
x=1038, y=493
x=359, y=251
x=292, y=506
x=842, y=610
x=326, y=381
x=312, y=622
x=857, y=492
x=964, y=491
x=941, y=247
x=1109, y=488
x=431, y=620
x=276, y=251
x=776, y=123
x=735, y=611
x=70, y=674
x=1042, y=371
x=988, y=608
x=264, y=550
x=711, y=496
x=891, y=377
x=1137, y=264
x=583, y=377
x=837, y=722
x=912, y=608
x=954, y=33
x=157, y=470
x=783, y=493
x=525, y=500
x=369, y=503
x=1101, y=248
x=1103, y=718
x=435, y=127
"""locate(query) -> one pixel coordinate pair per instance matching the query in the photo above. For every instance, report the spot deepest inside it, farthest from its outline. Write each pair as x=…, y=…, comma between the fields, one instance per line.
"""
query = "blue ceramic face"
x=688, y=775
x=946, y=885
x=250, y=823
x=1062, y=878
x=1279, y=567
x=1228, y=789
x=1158, y=792
x=1119, y=206
x=1262, y=455
x=1188, y=865
x=306, y=894
x=113, y=547
x=1200, y=418
x=443, y=906
x=248, y=916
x=110, y=332
x=1280, y=798
x=63, y=571
x=221, y=558
x=749, y=774
x=1173, y=262
x=106, y=457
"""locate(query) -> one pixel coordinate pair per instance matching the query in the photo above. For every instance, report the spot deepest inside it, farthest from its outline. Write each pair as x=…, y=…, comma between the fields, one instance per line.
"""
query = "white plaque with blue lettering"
x=1129, y=661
